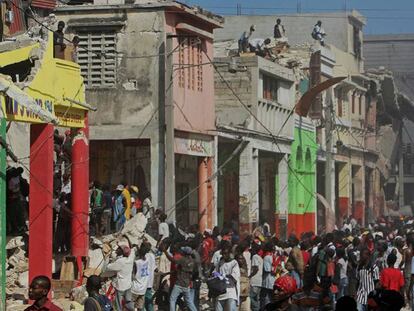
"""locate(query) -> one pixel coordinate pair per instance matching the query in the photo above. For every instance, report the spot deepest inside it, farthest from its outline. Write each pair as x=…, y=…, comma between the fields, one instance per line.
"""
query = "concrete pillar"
x=359, y=195
x=211, y=200
x=157, y=173
x=202, y=194
x=282, y=196
x=41, y=200
x=249, y=189
x=344, y=191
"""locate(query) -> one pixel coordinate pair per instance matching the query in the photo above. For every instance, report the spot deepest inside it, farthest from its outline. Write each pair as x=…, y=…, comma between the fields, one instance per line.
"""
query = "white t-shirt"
x=256, y=280
x=215, y=260
x=231, y=268
x=268, y=278
x=141, y=277
x=151, y=266
x=123, y=267
x=344, y=266
x=163, y=230
x=248, y=257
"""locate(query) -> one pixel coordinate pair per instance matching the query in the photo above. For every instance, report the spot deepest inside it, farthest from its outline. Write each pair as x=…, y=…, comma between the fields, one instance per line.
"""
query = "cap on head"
x=120, y=187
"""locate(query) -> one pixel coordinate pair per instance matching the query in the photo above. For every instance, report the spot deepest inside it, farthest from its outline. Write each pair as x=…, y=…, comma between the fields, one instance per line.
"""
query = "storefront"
x=194, y=161
x=53, y=91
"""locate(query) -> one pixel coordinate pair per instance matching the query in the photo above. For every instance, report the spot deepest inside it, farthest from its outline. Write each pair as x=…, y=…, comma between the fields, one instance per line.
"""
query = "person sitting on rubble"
x=38, y=291
x=279, y=30
x=318, y=33
x=244, y=39
x=58, y=40
x=259, y=46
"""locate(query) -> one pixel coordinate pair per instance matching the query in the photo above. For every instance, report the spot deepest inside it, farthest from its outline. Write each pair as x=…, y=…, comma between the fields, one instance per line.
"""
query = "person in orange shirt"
x=392, y=278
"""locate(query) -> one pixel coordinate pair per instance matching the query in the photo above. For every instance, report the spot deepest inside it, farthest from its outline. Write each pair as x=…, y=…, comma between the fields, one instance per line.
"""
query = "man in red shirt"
x=207, y=249
x=38, y=290
x=392, y=278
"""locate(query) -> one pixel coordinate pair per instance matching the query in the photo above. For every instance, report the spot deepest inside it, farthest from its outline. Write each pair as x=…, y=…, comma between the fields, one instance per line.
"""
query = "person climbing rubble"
x=244, y=39
x=318, y=33
x=279, y=30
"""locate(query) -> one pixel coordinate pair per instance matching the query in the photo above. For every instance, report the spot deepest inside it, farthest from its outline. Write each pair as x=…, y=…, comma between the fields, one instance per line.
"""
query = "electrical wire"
x=274, y=138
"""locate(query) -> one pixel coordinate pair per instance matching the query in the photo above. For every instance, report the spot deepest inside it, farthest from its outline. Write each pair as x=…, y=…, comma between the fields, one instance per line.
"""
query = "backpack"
x=104, y=303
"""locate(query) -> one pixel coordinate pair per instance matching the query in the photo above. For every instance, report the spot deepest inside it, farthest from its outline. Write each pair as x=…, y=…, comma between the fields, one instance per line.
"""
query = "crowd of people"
x=352, y=268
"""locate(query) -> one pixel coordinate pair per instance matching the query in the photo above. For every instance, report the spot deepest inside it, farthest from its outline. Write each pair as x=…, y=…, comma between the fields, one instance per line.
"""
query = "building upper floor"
x=128, y=53
x=256, y=94
x=344, y=29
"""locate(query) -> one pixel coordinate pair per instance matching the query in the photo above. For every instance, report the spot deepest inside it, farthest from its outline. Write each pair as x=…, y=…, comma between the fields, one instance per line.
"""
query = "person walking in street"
x=96, y=301
x=123, y=266
x=38, y=291
x=140, y=279
x=266, y=292
x=296, y=260
x=119, y=208
x=230, y=270
x=392, y=278
x=152, y=267
x=185, y=268
x=256, y=277
x=343, y=277
x=368, y=276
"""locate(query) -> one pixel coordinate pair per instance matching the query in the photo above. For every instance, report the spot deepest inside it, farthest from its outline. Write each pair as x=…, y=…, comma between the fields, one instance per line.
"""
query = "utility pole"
x=299, y=7
x=330, y=163
x=3, y=165
x=401, y=172
x=169, y=182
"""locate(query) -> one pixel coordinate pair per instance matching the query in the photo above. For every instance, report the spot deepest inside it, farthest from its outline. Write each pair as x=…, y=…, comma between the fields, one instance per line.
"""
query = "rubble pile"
x=17, y=274
x=17, y=265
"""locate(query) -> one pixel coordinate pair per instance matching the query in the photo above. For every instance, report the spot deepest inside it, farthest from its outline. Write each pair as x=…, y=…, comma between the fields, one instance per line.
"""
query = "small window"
x=357, y=42
x=353, y=102
x=360, y=105
x=97, y=58
x=270, y=88
x=340, y=103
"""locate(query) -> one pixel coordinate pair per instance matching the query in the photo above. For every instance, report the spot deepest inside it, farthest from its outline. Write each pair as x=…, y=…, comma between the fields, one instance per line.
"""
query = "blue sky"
x=383, y=16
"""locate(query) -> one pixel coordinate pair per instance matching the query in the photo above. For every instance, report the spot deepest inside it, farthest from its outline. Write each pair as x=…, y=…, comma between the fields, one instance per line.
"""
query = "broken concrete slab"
x=15, y=242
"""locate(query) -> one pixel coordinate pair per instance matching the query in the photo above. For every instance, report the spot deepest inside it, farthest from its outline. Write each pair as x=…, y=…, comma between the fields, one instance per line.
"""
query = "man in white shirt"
x=266, y=292
x=163, y=229
x=152, y=267
x=256, y=277
x=318, y=33
x=140, y=278
x=123, y=266
x=230, y=269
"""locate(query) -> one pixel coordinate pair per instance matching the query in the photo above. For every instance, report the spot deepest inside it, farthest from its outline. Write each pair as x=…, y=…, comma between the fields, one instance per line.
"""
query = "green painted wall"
x=303, y=162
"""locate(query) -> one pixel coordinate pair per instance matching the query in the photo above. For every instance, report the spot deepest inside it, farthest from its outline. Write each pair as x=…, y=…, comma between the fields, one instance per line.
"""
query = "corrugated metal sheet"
x=18, y=24
x=44, y=4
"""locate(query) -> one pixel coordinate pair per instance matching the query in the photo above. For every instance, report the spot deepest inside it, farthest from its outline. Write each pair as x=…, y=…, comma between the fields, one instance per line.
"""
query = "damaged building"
x=146, y=67
x=390, y=58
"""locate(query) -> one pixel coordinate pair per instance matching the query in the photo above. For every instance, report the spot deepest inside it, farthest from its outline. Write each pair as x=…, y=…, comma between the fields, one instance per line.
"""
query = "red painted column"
x=41, y=200
x=202, y=194
x=80, y=192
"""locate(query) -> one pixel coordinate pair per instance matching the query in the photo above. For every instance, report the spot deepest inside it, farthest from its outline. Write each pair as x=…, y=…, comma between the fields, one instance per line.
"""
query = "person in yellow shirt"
x=127, y=196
